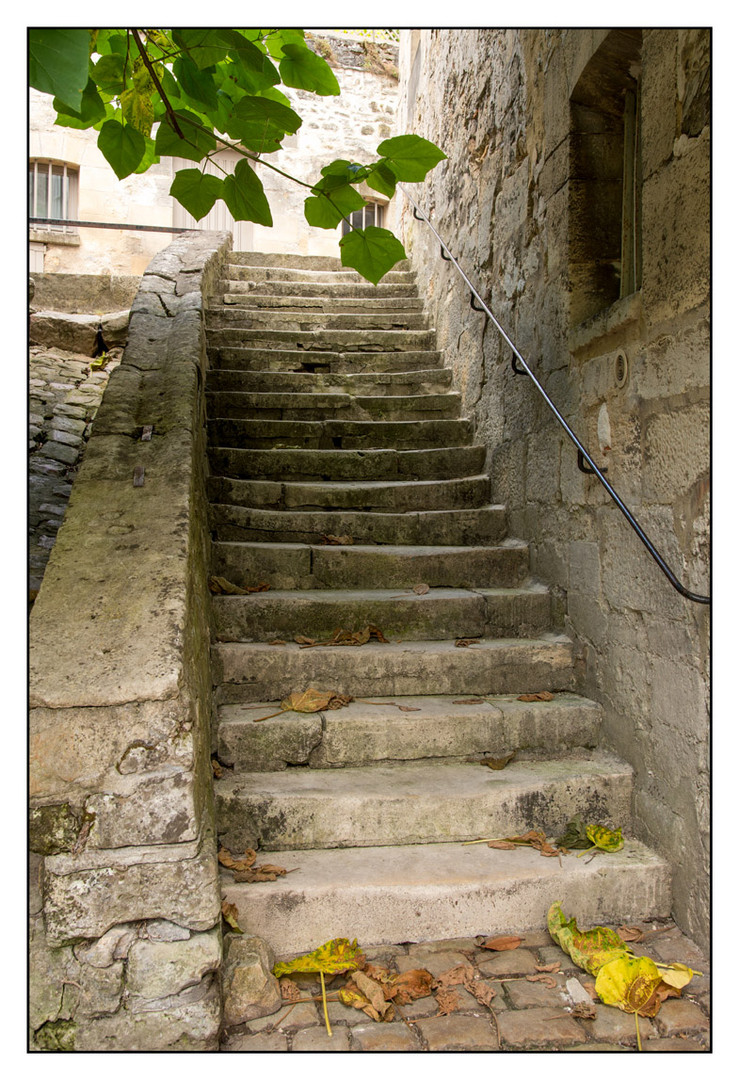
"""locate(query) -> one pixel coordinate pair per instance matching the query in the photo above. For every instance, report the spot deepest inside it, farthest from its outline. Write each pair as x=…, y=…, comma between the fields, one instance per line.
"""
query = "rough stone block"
x=160, y=969
x=250, y=989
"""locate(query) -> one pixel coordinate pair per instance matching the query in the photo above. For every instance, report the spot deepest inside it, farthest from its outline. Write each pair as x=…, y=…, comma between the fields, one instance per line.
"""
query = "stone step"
x=435, y=615
x=299, y=360
x=359, y=566
x=356, y=290
x=245, y=299
x=299, y=262
x=355, y=465
x=255, y=671
x=234, y=272
x=387, y=496
x=365, y=733
x=484, y=526
x=441, y=891
x=378, y=383
x=297, y=322
x=317, y=406
x=319, y=340
x=316, y=434
x=419, y=802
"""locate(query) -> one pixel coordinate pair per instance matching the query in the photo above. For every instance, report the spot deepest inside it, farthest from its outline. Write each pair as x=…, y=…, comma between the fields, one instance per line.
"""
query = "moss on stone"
x=53, y=829
x=56, y=1035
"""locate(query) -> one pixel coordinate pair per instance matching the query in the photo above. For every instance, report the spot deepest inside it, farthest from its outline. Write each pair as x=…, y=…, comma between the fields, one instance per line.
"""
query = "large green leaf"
x=122, y=146
x=410, y=157
x=196, y=191
x=108, y=73
x=206, y=46
x=196, y=141
x=275, y=40
x=196, y=83
x=244, y=195
x=260, y=124
x=303, y=69
x=91, y=111
x=57, y=62
x=382, y=178
x=325, y=209
x=371, y=251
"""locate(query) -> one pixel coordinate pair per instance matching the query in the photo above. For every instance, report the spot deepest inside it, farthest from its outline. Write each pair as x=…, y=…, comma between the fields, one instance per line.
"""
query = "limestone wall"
x=125, y=903
x=528, y=121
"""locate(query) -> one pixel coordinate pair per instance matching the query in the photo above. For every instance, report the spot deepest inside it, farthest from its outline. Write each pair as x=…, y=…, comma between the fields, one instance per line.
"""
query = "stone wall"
x=124, y=894
x=527, y=119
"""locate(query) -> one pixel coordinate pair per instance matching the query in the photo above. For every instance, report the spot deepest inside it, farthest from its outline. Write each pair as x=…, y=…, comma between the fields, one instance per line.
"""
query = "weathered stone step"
x=419, y=802
x=388, y=496
x=347, y=289
x=378, y=383
x=299, y=262
x=234, y=272
x=298, y=322
x=248, y=672
x=250, y=300
x=428, y=727
x=435, y=615
x=334, y=566
x=350, y=465
x=320, y=361
x=356, y=340
x=484, y=526
x=317, y=434
x=318, y=406
x=438, y=891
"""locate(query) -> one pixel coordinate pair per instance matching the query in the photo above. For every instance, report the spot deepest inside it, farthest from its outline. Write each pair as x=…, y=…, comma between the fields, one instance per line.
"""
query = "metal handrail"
x=582, y=454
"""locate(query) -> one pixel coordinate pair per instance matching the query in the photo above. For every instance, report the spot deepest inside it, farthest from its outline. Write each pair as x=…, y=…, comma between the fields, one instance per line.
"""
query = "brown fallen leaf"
x=265, y=872
x=221, y=586
x=543, y=695
x=469, y=701
x=548, y=981
x=310, y=701
x=278, y=641
x=536, y=839
x=448, y=1002
x=410, y=985
x=231, y=914
x=497, y=763
x=503, y=943
x=548, y=967
x=409, y=708
x=584, y=1010
x=465, y=642
x=502, y=845
x=302, y=640
x=421, y=589
x=216, y=767
x=225, y=858
x=483, y=991
x=289, y=990
x=590, y=987
x=630, y=933
x=329, y=538
x=461, y=974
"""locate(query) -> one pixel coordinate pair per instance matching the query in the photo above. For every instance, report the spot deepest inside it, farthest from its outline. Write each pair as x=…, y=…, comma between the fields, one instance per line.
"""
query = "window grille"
x=371, y=214
x=52, y=192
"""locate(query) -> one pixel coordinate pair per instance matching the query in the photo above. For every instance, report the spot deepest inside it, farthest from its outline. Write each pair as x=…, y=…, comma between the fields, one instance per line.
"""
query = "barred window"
x=52, y=192
x=371, y=214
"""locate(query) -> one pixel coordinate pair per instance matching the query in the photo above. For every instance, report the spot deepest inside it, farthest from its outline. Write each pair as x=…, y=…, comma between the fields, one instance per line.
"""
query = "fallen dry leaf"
x=344, y=637
x=459, y=975
x=543, y=695
x=481, y=990
x=469, y=701
x=465, y=642
x=410, y=985
x=503, y=943
x=231, y=914
x=289, y=990
x=221, y=586
x=421, y=589
x=548, y=981
x=265, y=872
x=409, y=708
x=502, y=845
x=302, y=640
x=590, y=987
x=496, y=763
x=278, y=641
x=216, y=767
x=225, y=858
x=548, y=967
x=630, y=933
x=373, y=991
x=584, y=1010
x=448, y=1002
x=329, y=538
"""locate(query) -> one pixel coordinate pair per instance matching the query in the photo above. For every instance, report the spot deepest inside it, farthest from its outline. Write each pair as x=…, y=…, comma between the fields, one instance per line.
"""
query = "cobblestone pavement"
x=524, y=1015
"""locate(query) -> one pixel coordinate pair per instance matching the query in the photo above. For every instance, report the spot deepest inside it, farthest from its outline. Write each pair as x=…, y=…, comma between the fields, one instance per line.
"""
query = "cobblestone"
x=523, y=1015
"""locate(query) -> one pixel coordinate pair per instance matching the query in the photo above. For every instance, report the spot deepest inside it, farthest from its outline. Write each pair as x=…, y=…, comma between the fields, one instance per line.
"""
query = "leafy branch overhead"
x=189, y=93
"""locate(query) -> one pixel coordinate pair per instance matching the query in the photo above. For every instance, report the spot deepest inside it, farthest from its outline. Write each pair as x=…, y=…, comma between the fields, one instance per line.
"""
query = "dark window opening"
x=371, y=214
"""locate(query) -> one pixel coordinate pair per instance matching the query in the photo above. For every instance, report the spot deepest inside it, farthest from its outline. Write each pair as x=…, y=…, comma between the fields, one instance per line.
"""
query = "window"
x=52, y=192
x=371, y=214
x=605, y=178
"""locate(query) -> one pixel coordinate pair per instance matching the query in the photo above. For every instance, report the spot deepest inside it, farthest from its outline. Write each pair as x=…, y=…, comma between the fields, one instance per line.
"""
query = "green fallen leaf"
x=590, y=949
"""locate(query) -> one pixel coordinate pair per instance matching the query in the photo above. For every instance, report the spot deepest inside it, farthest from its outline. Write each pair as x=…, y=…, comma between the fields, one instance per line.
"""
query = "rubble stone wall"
x=529, y=121
x=124, y=895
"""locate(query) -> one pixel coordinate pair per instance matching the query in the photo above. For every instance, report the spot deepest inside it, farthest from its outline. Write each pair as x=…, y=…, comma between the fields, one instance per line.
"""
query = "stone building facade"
x=349, y=126
x=576, y=197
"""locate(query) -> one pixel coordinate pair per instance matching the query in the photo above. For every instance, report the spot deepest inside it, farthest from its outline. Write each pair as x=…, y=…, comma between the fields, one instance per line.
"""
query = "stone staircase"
x=331, y=418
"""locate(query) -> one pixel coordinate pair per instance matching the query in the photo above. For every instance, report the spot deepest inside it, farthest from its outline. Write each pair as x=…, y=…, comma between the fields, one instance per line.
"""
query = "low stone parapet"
x=124, y=871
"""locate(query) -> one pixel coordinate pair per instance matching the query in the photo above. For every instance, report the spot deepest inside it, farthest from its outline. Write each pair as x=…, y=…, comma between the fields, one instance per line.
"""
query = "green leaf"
x=303, y=69
x=58, y=61
x=260, y=124
x=108, y=73
x=327, y=207
x=336, y=955
x=150, y=157
x=410, y=157
x=196, y=191
x=275, y=40
x=382, y=178
x=590, y=949
x=605, y=839
x=206, y=46
x=349, y=171
x=91, y=111
x=244, y=195
x=122, y=146
x=137, y=106
x=371, y=251
x=195, y=83
x=196, y=142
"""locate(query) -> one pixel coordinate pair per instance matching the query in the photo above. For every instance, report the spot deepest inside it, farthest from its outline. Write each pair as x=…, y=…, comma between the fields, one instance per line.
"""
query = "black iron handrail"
x=583, y=456
x=68, y=223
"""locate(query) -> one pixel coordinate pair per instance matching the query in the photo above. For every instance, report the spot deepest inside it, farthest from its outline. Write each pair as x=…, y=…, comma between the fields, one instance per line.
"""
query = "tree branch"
x=149, y=67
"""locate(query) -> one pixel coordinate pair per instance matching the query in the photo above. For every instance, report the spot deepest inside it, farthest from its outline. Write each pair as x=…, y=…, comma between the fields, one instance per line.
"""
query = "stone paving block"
x=677, y=1045
x=530, y=1028
x=256, y=1044
x=614, y=1026
x=512, y=962
x=524, y=995
x=434, y=960
x=317, y=1039
x=678, y=1015
x=553, y=953
x=458, y=1032
x=304, y=1014
x=390, y=1037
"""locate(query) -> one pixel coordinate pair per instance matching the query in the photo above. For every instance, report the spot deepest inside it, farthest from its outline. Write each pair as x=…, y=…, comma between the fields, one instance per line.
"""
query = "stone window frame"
x=605, y=180
x=70, y=176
